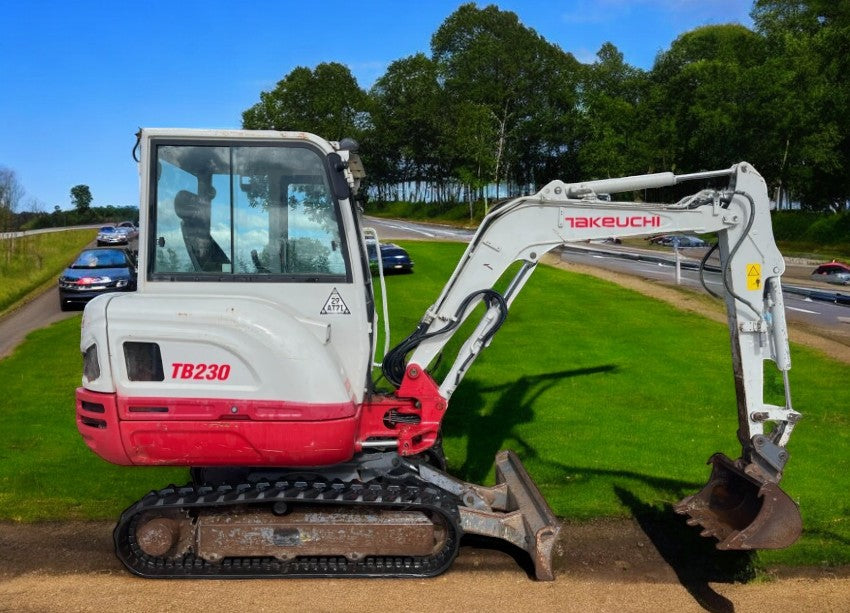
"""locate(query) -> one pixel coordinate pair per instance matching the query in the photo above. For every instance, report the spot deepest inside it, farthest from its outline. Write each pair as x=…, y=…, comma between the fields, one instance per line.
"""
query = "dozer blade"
x=515, y=511
x=740, y=511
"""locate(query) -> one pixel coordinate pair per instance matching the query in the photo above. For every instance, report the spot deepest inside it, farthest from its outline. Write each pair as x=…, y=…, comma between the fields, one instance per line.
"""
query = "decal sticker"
x=753, y=276
x=632, y=221
x=200, y=372
x=335, y=305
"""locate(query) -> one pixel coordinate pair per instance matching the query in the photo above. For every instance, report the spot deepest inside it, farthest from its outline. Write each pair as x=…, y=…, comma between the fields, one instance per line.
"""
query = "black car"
x=677, y=240
x=95, y=272
x=395, y=258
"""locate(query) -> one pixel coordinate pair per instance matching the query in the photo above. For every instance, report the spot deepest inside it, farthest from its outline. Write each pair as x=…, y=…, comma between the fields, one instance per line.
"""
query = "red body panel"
x=206, y=432
x=229, y=432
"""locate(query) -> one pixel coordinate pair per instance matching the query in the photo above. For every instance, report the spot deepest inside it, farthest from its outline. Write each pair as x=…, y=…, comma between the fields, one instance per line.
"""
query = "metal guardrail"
x=822, y=295
x=21, y=233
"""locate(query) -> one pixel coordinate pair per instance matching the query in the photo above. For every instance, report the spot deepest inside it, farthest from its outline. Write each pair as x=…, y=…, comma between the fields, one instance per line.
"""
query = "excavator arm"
x=742, y=505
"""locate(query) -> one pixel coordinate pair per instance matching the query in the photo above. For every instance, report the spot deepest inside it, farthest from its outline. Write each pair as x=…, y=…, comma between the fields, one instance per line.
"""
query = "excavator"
x=248, y=355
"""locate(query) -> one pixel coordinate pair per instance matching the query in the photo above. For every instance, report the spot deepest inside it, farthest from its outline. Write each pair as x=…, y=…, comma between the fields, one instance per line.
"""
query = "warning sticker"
x=335, y=305
x=753, y=276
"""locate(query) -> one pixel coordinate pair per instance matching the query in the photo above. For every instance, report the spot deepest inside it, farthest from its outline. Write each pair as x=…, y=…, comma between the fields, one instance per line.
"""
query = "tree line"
x=496, y=108
x=13, y=199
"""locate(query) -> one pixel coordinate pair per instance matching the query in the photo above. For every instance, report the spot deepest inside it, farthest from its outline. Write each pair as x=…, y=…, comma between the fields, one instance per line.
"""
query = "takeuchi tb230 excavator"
x=247, y=354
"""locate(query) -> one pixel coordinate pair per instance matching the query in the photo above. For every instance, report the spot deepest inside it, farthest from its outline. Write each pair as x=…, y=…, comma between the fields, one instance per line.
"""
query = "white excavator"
x=247, y=355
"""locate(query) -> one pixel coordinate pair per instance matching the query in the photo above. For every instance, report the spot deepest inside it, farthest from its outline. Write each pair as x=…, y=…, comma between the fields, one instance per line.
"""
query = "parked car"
x=395, y=258
x=833, y=272
x=680, y=240
x=95, y=272
x=129, y=228
x=109, y=235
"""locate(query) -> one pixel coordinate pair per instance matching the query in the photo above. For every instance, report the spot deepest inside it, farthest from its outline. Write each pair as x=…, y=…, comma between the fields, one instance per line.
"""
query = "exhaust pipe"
x=741, y=511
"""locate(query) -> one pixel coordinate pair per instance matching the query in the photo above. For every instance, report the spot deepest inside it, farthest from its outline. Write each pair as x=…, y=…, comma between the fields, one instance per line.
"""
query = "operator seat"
x=194, y=214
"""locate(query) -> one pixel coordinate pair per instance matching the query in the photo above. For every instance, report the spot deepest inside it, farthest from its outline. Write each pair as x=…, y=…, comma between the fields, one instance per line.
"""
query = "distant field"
x=614, y=401
x=30, y=261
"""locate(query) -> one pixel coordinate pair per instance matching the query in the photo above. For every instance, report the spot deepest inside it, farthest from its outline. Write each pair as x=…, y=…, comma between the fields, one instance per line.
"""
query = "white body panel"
x=288, y=357
x=292, y=341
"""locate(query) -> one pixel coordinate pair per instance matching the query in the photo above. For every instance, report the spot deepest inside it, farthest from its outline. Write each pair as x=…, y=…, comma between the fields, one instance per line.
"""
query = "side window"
x=192, y=215
x=285, y=223
x=171, y=252
x=315, y=244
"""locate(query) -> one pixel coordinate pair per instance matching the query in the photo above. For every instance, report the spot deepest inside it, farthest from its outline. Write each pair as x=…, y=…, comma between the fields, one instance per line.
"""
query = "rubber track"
x=405, y=496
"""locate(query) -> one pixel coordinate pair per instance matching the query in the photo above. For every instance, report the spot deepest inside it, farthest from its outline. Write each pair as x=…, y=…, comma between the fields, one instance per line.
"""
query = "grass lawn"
x=614, y=402
x=29, y=262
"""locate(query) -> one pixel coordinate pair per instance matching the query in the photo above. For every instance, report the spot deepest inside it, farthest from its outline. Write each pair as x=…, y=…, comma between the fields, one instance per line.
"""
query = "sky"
x=79, y=77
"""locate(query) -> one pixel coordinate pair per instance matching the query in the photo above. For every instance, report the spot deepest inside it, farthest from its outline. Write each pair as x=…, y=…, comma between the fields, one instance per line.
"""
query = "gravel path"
x=603, y=566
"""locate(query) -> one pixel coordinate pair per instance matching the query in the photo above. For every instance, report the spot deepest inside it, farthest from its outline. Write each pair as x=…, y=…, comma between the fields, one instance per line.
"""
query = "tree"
x=408, y=121
x=808, y=42
x=707, y=101
x=613, y=94
x=81, y=198
x=325, y=101
x=11, y=193
x=488, y=58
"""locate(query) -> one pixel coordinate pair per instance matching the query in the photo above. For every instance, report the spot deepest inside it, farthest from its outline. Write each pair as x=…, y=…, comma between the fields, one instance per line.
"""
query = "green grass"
x=29, y=262
x=614, y=402
x=46, y=470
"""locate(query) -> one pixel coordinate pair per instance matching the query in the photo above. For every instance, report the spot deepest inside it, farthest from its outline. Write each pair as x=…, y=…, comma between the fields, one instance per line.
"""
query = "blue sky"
x=79, y=77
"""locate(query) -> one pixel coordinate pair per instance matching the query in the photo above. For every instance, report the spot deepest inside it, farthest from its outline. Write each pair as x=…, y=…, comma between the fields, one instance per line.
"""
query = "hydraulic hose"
x=395, y=364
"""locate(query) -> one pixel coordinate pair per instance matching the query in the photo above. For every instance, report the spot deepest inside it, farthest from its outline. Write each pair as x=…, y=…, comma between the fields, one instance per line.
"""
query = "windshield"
x=250, y=210
x=100, y=259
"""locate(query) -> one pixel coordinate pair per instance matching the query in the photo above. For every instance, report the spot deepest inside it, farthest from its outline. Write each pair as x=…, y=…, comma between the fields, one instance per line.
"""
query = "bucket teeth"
x=740, y=511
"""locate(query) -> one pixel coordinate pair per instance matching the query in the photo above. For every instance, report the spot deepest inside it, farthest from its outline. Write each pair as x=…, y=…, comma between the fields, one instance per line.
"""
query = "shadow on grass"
x=693, y=558
x=487, y=433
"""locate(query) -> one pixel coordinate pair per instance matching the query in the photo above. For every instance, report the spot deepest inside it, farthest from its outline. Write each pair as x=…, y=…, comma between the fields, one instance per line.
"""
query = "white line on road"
x=790, y=308
x=409, y=229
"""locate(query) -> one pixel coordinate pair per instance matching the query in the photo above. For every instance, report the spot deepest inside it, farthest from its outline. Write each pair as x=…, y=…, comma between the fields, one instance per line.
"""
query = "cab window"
x=230, y=213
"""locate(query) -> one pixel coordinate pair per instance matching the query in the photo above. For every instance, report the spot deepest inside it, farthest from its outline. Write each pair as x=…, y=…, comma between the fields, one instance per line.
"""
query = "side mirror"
x=340, y=185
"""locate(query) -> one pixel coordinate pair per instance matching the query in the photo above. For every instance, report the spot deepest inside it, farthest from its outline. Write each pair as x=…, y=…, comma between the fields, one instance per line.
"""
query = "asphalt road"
x=36, y=314
x=825, y=315
x=391, y=229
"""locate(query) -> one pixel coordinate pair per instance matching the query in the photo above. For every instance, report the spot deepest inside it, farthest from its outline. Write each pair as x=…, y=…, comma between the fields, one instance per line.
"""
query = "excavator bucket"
x=740, y=511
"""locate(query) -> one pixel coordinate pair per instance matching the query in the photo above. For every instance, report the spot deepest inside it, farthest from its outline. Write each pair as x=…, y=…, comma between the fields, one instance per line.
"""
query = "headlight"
x=121, y=283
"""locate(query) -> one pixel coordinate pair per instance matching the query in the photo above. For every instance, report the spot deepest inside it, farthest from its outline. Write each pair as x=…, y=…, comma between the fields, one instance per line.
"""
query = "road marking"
x=409, y=229
x=790, y=308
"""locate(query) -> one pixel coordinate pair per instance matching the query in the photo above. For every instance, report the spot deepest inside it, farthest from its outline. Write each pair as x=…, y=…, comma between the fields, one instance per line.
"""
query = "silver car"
x=109, y=235
x=128, y=228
